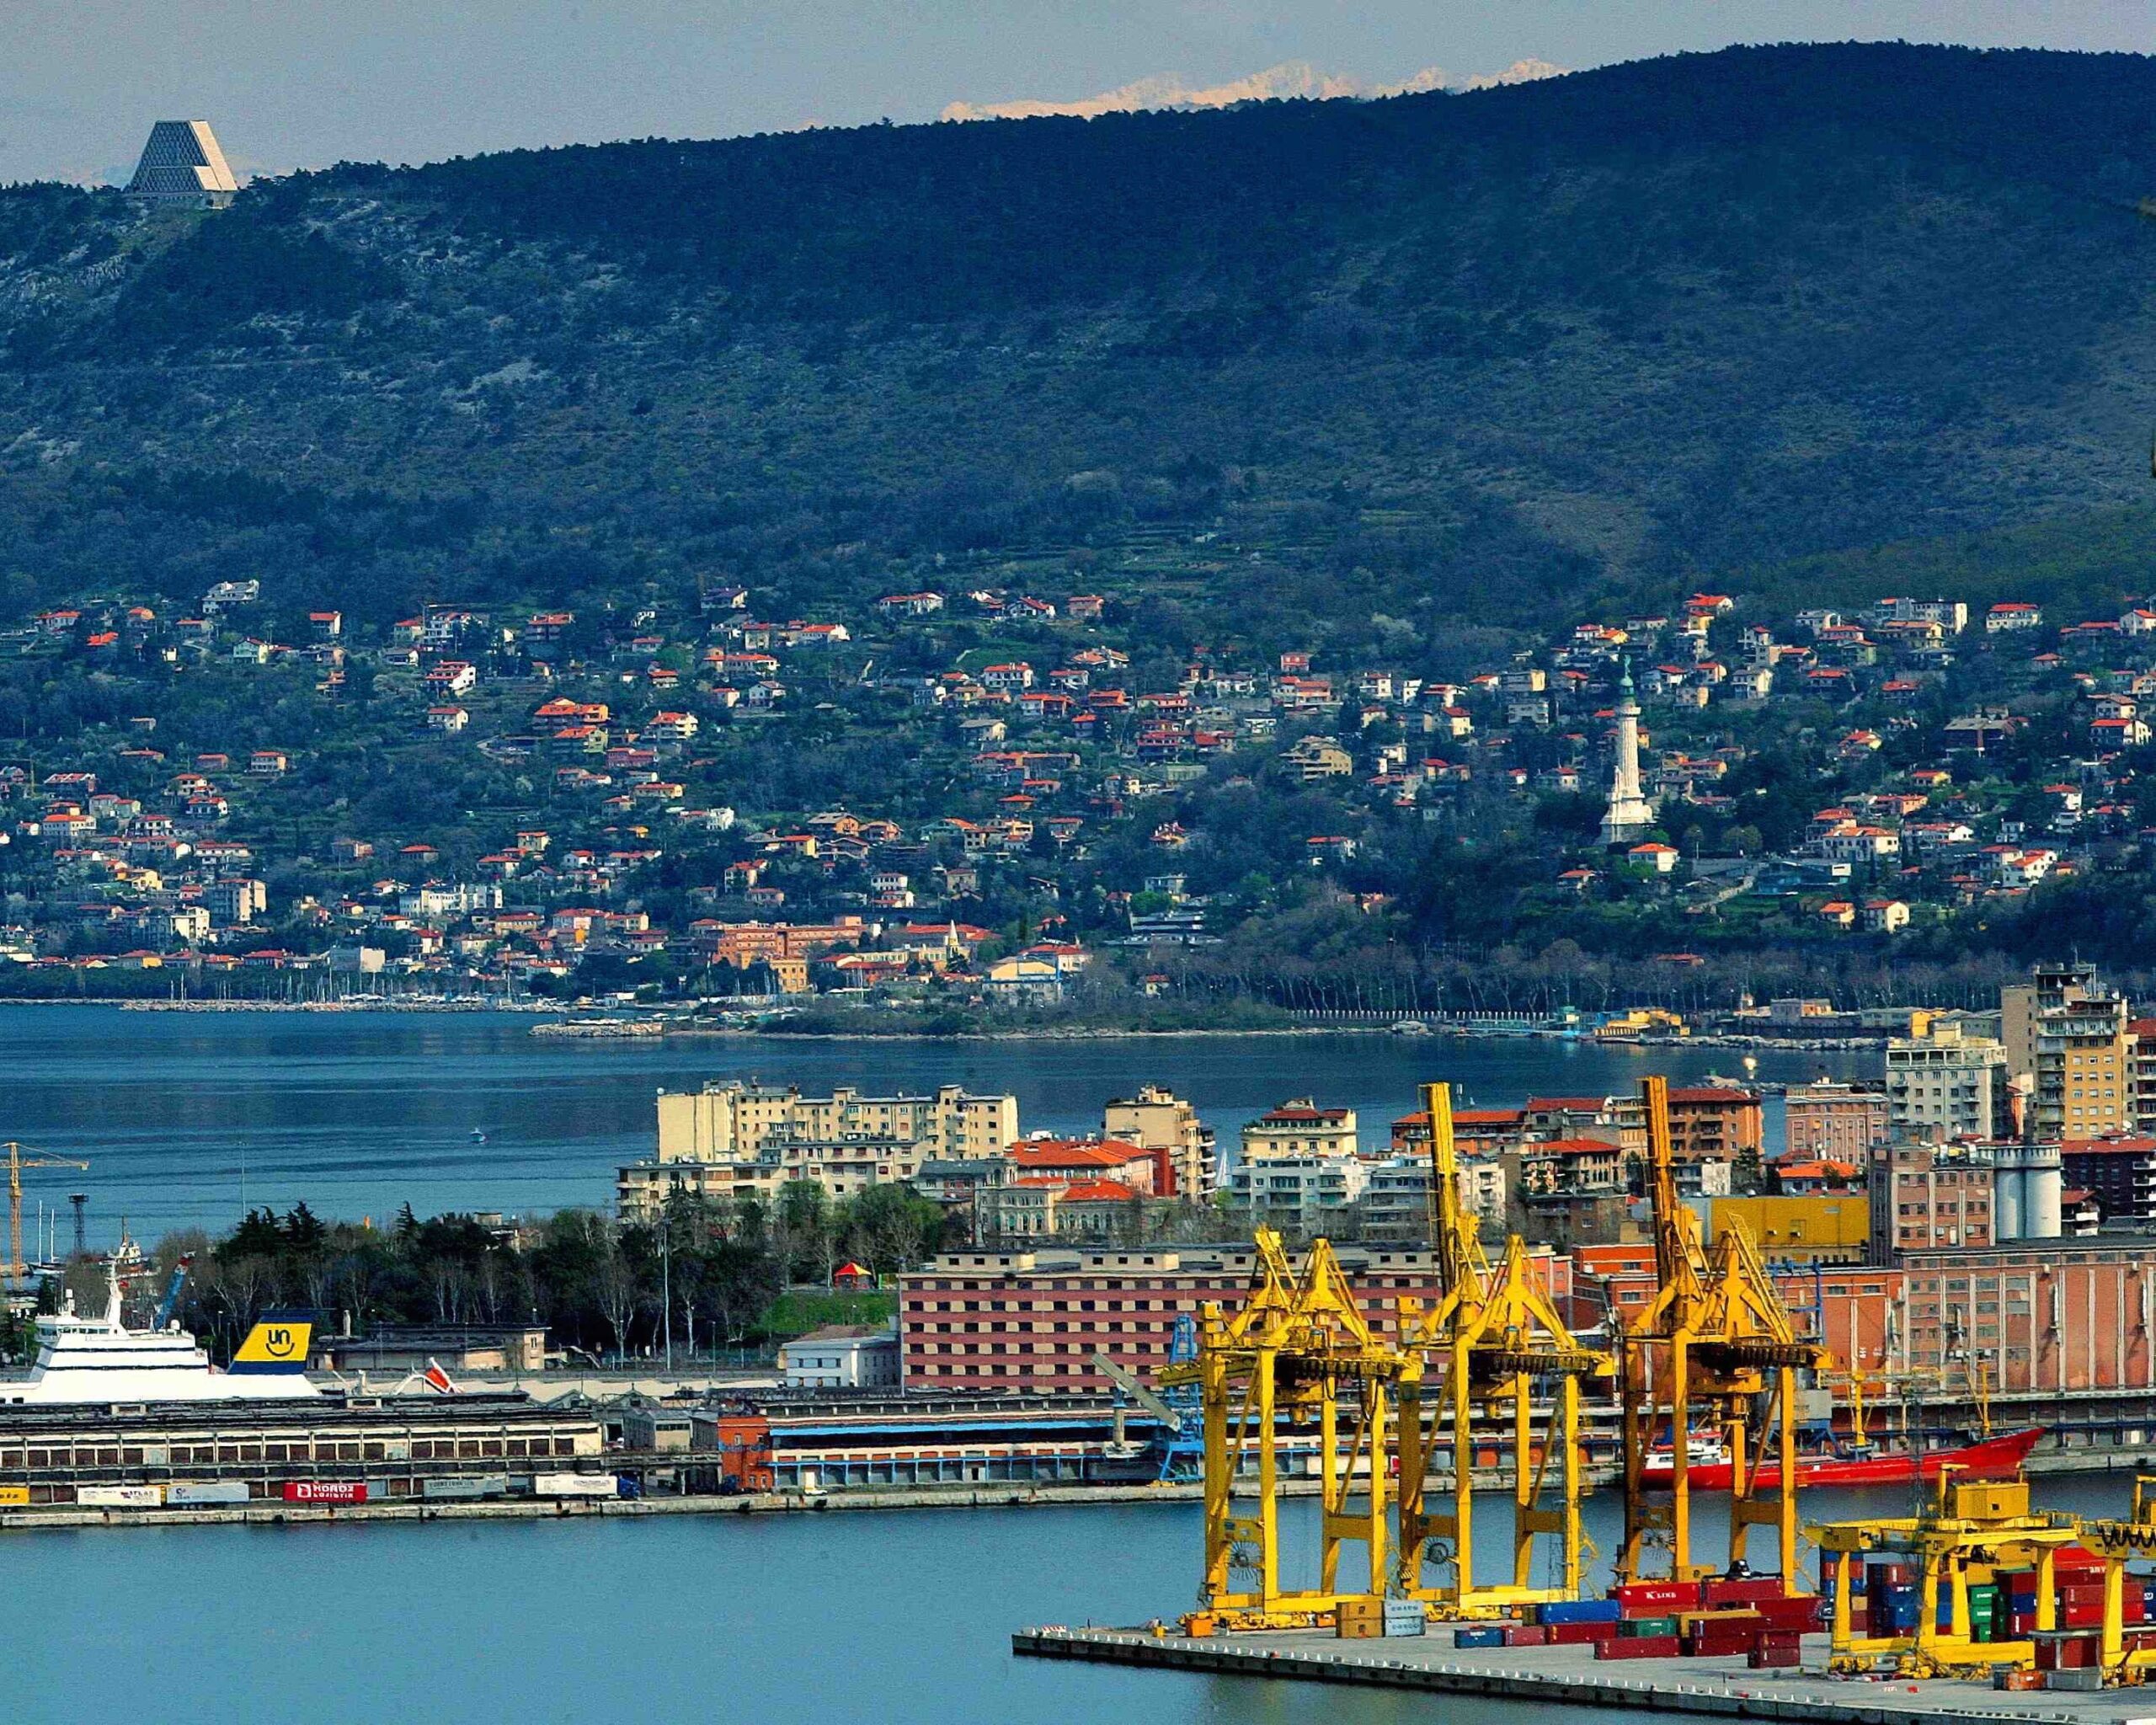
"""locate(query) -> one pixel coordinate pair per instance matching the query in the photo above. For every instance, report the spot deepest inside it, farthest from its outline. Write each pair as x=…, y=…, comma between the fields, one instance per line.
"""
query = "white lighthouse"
x=1630, y=812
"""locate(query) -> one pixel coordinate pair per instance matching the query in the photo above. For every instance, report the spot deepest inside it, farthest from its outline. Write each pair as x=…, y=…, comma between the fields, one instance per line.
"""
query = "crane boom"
x=1462, y=1268
x=1679, y=1258
x=170, y=1302
x=1139, y=1391
x=17, y=1162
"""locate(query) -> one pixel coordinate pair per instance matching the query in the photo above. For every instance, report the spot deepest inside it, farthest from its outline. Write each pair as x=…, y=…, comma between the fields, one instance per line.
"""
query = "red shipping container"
x=1580, y=1634
x=325, y=1491
x=1720, y=1644
x=1655, y=1599
x=1757, y=1590
x=1800, y=1613
x=2055, y=1651
x=1527, y=1635
x=2080, y=1616
x=1641, y=1646
x=1773, y=1656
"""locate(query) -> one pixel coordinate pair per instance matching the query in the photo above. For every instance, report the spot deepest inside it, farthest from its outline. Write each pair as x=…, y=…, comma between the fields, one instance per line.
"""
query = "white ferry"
x=99, y=1361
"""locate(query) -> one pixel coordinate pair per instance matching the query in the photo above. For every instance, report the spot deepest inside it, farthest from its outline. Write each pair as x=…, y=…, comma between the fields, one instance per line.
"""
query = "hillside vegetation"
x=1340, y=368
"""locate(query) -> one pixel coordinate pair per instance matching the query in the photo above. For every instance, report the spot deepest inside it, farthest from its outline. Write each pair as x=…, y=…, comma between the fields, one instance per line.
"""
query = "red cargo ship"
x=1993, y=1458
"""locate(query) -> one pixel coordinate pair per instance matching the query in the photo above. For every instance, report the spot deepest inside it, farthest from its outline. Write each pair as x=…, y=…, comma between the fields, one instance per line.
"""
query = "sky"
x=296, y=83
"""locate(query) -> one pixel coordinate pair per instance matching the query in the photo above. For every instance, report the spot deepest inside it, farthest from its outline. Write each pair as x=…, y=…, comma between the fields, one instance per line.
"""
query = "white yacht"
x=99, y=1360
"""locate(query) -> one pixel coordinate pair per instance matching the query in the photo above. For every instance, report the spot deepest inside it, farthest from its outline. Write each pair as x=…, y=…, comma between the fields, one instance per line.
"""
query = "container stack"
x=1577, y=1622
x=1711, y=1619
x=1891, y=1597
x=1360, y=1620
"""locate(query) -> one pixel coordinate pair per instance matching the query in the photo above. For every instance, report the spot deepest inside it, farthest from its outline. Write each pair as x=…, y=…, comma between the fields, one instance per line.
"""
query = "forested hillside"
x=1391, y=366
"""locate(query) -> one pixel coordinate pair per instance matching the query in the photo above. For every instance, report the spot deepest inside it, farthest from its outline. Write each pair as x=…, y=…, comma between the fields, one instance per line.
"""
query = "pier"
x=1572, y=1676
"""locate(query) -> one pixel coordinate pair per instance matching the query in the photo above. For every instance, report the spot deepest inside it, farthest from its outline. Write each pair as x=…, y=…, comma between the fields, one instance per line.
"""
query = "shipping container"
x=1655, y=1598
x=1769, y=1656
x=575, y=1485
x=1653, y=1628
x=1751, y=1591
x=215, y=1491
x=1491, y=1636
x=1406, y=1617
x=1641, y=1646
x=120, y=1497
x=1579, y=1634
x=1527, y=1635
x=464, y=1487
x=325, y=1491
x=1578, y=1612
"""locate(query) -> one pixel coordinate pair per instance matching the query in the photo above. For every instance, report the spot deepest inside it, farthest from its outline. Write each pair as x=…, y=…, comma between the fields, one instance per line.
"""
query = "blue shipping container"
x=1478, y=1638
x=1578, y=1612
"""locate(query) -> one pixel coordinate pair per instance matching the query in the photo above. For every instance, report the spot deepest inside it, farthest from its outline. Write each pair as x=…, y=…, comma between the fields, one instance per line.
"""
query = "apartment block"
x=733, y=1120
x=2067, y=1030
x=1833, y=1123
x=1951, y=1083
x=1925, y=1197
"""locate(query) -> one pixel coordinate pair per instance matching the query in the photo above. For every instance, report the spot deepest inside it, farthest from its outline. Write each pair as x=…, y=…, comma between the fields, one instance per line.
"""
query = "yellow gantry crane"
x=1716, y=1340
x=1298, y=1349
x=1966, y=1525
x=17, y=1162
x=2119, y=1543
x=1498, y=1337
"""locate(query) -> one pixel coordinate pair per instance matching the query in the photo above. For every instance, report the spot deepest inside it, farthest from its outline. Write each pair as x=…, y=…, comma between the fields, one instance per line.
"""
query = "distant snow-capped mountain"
x=1292, y=80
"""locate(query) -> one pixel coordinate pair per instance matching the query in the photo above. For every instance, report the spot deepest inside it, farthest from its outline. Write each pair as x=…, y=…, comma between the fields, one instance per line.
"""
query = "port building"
x=395, y=1444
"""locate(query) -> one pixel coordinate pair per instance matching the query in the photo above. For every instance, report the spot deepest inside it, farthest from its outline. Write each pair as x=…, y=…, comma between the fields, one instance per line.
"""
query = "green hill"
x=1355, y=366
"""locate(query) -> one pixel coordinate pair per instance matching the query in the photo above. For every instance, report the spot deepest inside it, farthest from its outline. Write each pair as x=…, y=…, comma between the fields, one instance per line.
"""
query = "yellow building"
x=1156, y=1119
x=736, y=1121
x=2067, y=1033
x=1830, y=1228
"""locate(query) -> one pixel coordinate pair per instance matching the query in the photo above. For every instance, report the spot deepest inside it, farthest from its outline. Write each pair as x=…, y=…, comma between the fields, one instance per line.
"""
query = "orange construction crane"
x=17, y=1162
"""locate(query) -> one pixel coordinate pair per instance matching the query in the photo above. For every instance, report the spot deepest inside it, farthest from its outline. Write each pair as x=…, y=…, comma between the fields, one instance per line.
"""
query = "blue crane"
x=170, y=1303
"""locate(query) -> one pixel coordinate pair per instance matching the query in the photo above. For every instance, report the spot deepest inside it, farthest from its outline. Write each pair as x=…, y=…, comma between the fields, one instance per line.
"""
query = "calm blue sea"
x=187, y=1119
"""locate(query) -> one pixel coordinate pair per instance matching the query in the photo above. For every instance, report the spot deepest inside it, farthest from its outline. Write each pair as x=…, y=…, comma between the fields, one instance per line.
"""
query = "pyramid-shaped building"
x=182, y=163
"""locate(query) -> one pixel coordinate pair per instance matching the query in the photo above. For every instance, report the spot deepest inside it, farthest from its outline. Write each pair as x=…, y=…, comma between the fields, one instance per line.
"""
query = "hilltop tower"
x=1630, y=812
x=182, y=164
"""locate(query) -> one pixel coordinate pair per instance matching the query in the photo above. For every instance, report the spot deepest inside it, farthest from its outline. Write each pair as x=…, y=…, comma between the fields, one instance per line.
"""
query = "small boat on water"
x=1708, y=1465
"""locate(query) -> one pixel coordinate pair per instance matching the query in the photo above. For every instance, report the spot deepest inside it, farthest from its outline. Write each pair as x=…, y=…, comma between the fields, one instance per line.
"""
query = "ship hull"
x=1993, y=1458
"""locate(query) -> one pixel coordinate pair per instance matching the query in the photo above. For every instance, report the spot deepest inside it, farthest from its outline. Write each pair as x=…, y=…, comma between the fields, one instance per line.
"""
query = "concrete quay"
x=1574, y=1677
x=1016, y=1494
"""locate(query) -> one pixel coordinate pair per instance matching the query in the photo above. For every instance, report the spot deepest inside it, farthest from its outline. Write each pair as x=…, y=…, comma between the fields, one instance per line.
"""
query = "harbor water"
x=187, y=1119
x=875, y=1617
x=887, y=1618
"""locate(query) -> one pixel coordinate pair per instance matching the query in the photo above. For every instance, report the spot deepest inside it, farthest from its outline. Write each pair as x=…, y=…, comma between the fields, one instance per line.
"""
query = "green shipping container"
x=1633, y=1628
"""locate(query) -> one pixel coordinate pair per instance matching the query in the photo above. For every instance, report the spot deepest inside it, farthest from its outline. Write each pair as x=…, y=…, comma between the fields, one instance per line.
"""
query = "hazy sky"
x=303, y=82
